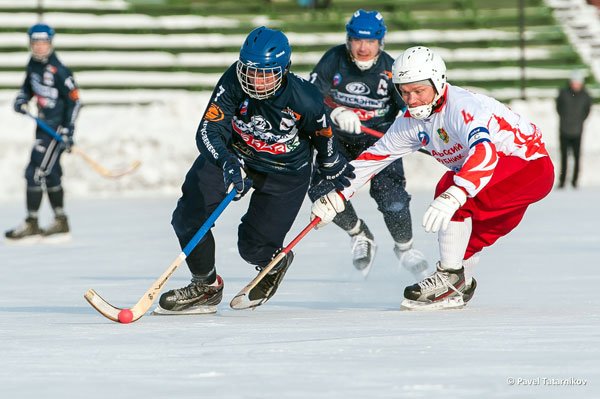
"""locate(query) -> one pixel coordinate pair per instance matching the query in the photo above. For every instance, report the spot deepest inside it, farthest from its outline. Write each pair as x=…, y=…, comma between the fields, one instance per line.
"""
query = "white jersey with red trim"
x=467, y=134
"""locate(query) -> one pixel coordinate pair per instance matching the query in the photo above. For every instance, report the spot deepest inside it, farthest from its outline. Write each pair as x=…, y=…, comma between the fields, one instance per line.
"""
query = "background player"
x=356, y=81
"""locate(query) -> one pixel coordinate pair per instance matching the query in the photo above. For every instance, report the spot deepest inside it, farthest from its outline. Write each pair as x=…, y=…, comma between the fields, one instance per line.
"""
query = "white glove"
x=327, y=207
x=442, y=209
x=346, y=119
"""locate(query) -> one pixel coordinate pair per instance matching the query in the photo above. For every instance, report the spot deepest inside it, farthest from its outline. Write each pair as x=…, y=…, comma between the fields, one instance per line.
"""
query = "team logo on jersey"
x=286, y=124
x=48, y=78
x=258, y=134
x=74, y=95
x=214, y=113
x=324, y=132
x=387, y=74
x=296, y=116
x=382, y=88
x=423, y=138
x=337, y=79
x=244, y=107
x=443, y=135
x=357, y=88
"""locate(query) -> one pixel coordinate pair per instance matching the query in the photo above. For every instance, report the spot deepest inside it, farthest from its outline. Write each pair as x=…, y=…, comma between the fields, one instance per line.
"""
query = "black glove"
x=232, y=174
x=20, y=104
x=337, y=170
x=66, y=133
x=321, y=189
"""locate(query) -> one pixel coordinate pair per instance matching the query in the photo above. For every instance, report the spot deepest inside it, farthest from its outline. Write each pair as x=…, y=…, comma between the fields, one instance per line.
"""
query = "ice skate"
x=267, y=287
x=363, y=249
x=27, y=233
x=58, y=231
x=196, y=298
x=412, y=260
x=444, y=289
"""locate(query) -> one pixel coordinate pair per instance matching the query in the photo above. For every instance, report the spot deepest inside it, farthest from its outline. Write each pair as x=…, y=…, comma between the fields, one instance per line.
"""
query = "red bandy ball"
x=125, y=316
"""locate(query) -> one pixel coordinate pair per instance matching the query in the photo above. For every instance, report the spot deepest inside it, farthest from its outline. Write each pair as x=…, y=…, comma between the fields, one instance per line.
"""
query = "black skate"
x=363, y=249
x=267, y=287
x=196, y=298
x=444, y=289
x=28, y=232
x=58, y=231
x=469, y=291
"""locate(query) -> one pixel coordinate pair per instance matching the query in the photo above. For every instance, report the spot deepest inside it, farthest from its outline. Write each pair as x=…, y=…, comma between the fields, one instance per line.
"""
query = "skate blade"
x=420, y=269
x=57, y=238
x=243, y=302
x=448, y=303
x=29, y=240
x=159, y=311
x=367, y=269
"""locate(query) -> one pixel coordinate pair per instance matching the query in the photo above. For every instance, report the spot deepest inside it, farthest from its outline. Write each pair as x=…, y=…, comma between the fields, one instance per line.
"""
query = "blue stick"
x=45, y=127
x=209, y=222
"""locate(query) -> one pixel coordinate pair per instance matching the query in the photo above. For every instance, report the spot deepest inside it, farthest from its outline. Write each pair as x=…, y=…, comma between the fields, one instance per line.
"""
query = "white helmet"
x=418, y=64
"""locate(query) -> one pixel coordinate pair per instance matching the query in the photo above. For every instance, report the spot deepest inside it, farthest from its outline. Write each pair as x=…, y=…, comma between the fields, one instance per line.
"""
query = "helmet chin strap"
x=424, y=111
x=364, y=65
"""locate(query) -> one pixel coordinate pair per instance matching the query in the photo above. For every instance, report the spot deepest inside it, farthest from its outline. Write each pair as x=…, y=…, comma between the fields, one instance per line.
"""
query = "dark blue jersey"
x=54, y=88
x=272, y=135
x=369, y=93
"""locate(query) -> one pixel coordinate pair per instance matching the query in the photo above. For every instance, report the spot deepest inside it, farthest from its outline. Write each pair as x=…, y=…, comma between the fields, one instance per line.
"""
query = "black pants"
x=44, y=164
x=274, y=205
x=573, y=144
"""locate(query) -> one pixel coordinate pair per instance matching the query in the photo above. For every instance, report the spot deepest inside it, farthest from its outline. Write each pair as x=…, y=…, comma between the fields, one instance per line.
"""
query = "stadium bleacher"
x=153, y=45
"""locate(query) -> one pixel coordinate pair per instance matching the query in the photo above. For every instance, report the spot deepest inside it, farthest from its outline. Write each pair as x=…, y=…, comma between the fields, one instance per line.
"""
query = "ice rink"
x=532, y=329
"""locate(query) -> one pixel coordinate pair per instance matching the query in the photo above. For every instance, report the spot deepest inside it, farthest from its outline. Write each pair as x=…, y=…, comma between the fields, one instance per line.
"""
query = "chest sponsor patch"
x=214, y=113
x=358, y=88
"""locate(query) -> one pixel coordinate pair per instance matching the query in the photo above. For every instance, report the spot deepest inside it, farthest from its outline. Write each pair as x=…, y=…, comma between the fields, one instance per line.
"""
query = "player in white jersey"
x=498, y=167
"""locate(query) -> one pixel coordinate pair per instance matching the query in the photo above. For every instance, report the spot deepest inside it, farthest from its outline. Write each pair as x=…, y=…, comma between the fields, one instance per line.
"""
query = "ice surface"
x=327, y=333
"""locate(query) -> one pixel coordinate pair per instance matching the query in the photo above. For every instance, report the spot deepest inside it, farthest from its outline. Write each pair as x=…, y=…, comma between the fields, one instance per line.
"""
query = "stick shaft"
x=90, y=161
x=145, y=302
x=244, y=291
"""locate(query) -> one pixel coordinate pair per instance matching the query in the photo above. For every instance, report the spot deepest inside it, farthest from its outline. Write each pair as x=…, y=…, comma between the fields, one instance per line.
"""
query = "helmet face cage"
x=259, y=83
x=264, y=61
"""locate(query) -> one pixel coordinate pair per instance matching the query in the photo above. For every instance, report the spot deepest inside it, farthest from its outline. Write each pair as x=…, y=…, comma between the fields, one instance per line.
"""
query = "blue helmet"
x=366, y=25
x=264, y=60
x=41, y=32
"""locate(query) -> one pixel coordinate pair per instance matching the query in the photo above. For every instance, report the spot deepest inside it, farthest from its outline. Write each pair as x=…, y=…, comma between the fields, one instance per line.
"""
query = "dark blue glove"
x=232, y=174
x=321, y=189
x=66, y=133
x=337, y=170
x=20, y=104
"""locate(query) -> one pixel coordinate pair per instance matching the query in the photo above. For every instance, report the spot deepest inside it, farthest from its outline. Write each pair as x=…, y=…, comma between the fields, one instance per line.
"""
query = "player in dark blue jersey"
x=57, y=97
x=258, y=131
x=356, y=81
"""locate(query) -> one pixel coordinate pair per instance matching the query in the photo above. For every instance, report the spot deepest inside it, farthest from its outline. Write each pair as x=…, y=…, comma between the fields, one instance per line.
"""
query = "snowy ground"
x=326, y=334
x=161, y=133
